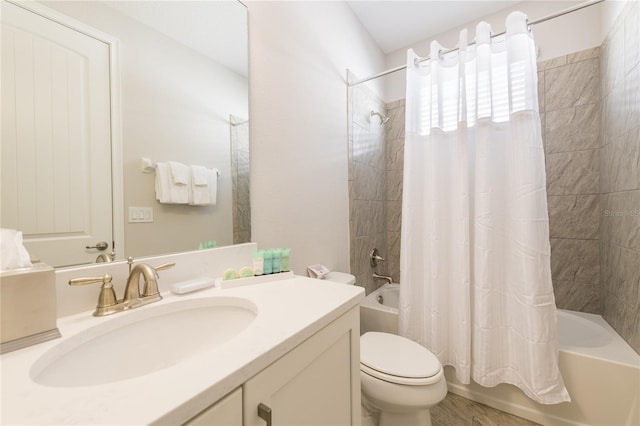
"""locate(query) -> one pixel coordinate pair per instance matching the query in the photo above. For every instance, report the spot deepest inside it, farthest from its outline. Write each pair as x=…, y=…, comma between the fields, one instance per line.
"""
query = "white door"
x=56, y=138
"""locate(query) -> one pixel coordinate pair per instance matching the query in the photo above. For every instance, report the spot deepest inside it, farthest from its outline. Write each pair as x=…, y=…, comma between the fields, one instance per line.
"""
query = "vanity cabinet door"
x=317, y=383
x=225, y=412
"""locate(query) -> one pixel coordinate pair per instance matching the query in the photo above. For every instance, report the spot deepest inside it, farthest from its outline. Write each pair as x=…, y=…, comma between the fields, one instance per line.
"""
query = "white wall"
x=570, y=33
x=298, y=54
x=175, y=106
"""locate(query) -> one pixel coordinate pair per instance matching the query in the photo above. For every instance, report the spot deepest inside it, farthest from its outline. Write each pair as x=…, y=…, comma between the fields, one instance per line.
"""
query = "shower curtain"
x=475, y=254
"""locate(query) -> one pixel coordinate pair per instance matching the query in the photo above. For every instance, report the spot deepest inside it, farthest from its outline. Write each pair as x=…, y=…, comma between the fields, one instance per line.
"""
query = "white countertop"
x=289, y=311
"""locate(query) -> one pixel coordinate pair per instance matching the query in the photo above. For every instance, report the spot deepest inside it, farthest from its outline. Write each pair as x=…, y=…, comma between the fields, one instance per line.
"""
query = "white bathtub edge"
x=509, y=406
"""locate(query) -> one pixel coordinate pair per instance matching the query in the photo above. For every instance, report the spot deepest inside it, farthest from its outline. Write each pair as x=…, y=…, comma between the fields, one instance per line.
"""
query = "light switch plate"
x=140, y=214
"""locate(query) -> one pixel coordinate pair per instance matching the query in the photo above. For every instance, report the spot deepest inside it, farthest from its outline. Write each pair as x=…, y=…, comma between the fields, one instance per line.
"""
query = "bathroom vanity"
x=295, y=361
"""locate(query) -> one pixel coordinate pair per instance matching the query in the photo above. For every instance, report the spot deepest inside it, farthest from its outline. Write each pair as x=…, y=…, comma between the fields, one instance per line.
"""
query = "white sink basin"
x=144, y=341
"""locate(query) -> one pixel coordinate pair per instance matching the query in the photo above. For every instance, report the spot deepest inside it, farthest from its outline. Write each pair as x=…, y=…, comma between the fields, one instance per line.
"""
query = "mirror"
x=183, y=68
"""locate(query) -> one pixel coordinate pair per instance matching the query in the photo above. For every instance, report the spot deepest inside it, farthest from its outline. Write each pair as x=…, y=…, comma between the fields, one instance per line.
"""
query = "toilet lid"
x=397, y=356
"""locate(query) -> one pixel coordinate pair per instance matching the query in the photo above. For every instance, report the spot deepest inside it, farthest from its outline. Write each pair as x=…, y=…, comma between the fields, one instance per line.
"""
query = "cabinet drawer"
x=225, y=412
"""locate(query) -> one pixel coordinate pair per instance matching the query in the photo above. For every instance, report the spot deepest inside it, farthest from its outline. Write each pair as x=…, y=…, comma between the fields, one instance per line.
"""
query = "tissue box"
x=27, y=307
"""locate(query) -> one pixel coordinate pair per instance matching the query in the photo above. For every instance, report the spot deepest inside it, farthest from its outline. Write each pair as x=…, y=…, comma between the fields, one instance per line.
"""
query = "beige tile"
x=572, y=85
x=574, y=296
x=395, y=154
x=575, y=260
x=574, y=216
x=583, y=55
x=572, y=129
x=621, y=303
x=631, y=38
x=360, y=261
x=362, y=217
x=368, y=182
x=573, y=173
x=624, y=172
x=621, y=219
x=394, y=185
x=400, y=103
x=394, y=215
x=612, y=60
x=395, y=126
x=632, y=98
x=541, y=105
x=615, y=114
x=606, y=159
x=552, y=63
x=393, y=255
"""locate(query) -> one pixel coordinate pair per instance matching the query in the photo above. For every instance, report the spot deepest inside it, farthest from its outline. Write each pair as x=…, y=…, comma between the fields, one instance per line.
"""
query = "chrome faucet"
x=133, y=297
x=383, y=277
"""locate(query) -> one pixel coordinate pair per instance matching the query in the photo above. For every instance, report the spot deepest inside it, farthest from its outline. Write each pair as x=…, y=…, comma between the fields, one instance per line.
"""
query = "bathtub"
x=600, y=370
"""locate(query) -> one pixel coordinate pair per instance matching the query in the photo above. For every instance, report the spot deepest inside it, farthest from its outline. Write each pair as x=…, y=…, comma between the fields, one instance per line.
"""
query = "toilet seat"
x=396, y=359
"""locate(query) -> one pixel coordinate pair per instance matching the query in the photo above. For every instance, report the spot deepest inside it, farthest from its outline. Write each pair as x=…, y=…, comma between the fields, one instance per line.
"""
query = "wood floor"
x=455, y=410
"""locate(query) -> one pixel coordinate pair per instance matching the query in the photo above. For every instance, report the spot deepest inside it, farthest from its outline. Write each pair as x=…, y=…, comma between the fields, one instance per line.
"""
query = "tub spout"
x=383, y=277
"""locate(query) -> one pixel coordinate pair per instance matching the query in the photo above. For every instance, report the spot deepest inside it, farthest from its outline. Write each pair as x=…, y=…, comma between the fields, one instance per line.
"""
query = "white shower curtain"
x=475, y=255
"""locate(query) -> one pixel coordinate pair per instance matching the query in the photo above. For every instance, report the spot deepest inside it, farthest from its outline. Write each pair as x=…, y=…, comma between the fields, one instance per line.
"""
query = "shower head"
x=382, y=118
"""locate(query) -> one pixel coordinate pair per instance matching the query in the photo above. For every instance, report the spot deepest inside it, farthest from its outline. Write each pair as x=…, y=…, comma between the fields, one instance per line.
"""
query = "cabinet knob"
x=264, y=412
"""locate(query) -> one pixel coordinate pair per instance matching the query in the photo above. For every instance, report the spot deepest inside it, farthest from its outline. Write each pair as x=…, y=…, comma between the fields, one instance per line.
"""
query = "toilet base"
x=413, y=418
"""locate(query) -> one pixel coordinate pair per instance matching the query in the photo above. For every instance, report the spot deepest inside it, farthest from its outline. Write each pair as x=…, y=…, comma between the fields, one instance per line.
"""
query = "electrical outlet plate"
x=140, y=214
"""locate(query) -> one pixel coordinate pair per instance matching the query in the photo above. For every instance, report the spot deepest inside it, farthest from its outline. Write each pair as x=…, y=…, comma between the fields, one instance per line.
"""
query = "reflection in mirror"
x=240, y=179
x=183, y=96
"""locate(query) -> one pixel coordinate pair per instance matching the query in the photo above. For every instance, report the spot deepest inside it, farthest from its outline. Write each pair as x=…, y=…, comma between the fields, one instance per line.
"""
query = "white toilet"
x=399, y=378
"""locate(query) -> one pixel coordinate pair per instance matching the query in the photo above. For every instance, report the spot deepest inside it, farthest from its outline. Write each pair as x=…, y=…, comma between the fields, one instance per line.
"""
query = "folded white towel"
x=179, y=173
x=163, y=194
x=167, y=191
x=200, y=175
x=202, y=195
x=213, y=185
x=199, y=193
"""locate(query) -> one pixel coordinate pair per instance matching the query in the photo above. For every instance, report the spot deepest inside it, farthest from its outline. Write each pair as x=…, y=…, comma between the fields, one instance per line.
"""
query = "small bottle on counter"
x=284, y=259
x=276, y=260
x=267, y=267
x=258, y=262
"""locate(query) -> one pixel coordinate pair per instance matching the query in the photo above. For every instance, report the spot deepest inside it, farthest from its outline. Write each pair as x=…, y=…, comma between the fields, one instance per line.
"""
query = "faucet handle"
x=107, y=296
x=90, y=280
x=165, y=266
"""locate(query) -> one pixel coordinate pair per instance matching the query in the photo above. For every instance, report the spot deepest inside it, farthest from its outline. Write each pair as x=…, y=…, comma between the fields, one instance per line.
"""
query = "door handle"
x=100, y=245
x=264, y=412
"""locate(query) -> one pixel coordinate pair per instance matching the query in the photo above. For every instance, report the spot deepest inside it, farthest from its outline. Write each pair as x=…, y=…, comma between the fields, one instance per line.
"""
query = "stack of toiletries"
x=271, y=261
x=207, y=245
x=265, y=262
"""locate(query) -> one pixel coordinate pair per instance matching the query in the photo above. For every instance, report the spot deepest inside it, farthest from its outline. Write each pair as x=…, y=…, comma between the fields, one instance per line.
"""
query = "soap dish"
x=240, y=282
x=189, y=286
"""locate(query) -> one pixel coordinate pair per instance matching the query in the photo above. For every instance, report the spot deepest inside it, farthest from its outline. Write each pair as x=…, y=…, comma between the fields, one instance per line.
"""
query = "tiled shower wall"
x=240, y=180
x=367, y=179
x=591, y=131
x=569, y=99
x=394, y=166
x=620, y=176
x=569, y=93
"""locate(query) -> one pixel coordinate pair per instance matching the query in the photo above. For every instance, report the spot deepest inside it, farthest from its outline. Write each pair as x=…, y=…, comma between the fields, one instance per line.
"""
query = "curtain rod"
x=444, y=52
